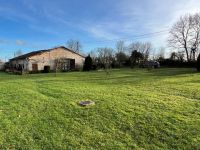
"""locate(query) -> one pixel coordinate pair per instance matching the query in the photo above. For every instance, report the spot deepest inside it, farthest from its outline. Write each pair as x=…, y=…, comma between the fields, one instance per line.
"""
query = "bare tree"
x=144, y=48
x=106, y=57
x=120, y=46
x=74, y=45
x=147, y=48
x=196, y=31
x=180, y=55
x=153, y=54
x=177, y=56
x=161, y=53
x=120, y=55
x=185, y=35
x=134, y=46
x=173, y=56
x=93, y=54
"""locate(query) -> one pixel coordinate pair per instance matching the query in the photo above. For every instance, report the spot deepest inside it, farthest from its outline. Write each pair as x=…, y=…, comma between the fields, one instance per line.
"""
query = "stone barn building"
x=37, y=60
x=2, y=65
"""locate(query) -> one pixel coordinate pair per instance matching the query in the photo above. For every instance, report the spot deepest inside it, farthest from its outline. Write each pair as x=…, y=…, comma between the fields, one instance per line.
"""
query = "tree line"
x=124, y=55
x=183, y=40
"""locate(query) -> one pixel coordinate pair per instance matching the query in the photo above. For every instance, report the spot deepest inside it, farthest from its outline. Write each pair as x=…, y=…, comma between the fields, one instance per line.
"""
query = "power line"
x=146, y=35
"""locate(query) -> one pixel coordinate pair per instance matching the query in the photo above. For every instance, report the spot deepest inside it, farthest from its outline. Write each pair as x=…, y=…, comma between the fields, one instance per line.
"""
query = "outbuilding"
x=37, y=60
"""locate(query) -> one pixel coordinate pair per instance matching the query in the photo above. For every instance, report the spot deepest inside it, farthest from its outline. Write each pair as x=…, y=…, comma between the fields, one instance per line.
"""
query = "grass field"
x=135, y=109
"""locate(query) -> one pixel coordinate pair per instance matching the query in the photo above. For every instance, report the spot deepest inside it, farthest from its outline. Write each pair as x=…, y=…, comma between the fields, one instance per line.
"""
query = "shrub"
x=198, y=63
x=94, y=67
x=177, y=63
x=46, y=69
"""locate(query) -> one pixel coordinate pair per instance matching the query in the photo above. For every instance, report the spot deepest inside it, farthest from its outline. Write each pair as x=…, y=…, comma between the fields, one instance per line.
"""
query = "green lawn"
x=135, y=109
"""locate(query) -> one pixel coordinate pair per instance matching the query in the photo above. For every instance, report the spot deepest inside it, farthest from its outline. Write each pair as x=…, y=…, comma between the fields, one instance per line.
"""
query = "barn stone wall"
x=2, y=66
x=48, y=58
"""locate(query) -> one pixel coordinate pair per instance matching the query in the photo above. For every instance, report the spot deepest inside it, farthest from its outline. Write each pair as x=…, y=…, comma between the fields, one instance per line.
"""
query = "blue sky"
x=29, y=25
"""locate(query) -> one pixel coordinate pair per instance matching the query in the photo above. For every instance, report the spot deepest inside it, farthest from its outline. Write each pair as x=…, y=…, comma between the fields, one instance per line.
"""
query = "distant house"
x=37, y=60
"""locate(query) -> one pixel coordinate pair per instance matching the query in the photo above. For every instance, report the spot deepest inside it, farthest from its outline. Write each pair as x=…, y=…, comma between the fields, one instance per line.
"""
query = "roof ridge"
x=71, y=50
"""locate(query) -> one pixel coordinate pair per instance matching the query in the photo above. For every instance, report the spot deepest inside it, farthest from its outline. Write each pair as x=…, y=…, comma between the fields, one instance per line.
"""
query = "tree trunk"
x=186, y=50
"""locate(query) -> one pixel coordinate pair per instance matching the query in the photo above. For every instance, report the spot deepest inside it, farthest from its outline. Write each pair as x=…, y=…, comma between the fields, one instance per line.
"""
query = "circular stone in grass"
x=86, y=103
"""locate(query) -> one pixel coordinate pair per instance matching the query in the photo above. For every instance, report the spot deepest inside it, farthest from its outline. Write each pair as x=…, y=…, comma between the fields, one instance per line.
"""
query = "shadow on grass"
x=172, y=71
x=122, y=75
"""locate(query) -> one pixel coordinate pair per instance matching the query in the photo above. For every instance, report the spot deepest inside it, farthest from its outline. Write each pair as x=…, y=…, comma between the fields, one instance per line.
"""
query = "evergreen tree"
x=136, y=57
x=88, y=64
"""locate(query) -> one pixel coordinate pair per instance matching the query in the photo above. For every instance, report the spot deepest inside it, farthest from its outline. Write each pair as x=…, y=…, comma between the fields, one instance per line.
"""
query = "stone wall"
x=48, y=59
x=2, y=66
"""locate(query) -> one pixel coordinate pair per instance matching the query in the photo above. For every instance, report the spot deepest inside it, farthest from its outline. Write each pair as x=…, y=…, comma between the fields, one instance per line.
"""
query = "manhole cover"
x=86, y=103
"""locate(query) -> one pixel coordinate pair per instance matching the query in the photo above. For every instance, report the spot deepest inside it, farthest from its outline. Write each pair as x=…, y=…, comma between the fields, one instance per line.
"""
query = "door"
x=34, y=67
x=72, y=64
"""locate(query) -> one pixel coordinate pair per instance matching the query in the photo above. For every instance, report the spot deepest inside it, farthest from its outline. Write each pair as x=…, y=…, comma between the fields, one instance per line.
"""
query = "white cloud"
x=20, y=42
x=139, y=17
x=15, y=15
x=155, y=15
x=131, y=18
x=3, y=41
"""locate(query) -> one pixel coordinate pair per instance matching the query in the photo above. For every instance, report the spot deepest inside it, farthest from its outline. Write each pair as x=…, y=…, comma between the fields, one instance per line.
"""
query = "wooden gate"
x=34, y=67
